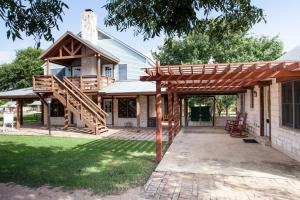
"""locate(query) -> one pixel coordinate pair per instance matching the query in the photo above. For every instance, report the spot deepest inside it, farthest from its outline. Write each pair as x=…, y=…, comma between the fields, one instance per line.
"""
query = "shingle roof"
x=130, y=87
x=24, y=92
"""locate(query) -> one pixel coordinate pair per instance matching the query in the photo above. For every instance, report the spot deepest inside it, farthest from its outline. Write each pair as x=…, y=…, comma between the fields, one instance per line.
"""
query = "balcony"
x=92, y=83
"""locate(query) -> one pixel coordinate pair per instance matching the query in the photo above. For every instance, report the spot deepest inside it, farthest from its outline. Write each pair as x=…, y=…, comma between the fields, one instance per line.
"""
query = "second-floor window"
x=122, y=72
x=108, y=71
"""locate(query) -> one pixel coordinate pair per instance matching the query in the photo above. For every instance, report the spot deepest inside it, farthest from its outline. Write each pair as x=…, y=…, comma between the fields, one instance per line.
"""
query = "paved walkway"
x=206, y=163
x=112, y=133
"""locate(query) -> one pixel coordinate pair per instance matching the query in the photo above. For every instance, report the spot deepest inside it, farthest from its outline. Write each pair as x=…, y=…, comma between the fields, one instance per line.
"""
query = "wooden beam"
x=21, y=112
x=185, y=112
x=170, y=117
x=214, y=112
x=176, y=114
x=112, y=111
x=158, y=122
x=66, y=118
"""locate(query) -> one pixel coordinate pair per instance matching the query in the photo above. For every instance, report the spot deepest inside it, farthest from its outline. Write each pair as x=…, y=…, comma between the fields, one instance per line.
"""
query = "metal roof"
x=130, y=87
x=18, y=93
x=293, y=54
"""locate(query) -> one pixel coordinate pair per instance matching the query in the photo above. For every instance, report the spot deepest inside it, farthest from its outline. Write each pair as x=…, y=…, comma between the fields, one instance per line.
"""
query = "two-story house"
x=93, y=80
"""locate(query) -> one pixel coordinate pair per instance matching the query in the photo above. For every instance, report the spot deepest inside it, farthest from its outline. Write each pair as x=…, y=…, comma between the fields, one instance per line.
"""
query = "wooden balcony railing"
x=91, y=83
x=43, y=83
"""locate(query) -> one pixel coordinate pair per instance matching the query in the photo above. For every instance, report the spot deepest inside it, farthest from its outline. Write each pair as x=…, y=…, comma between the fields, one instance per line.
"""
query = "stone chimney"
x=89, y=26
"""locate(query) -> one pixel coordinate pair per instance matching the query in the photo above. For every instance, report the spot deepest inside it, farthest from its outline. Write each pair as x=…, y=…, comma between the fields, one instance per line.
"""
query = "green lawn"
x=103, y=166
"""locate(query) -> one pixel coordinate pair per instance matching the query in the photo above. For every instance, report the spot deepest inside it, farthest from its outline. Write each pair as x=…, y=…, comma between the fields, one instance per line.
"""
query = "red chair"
x=238, y=127
x=229, y=122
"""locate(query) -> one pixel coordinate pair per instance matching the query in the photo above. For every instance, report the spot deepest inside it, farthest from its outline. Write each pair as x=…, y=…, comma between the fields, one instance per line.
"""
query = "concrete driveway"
x=206, y=163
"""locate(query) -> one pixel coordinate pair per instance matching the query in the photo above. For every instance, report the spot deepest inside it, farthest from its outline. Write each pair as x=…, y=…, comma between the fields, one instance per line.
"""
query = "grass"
x=102, y=166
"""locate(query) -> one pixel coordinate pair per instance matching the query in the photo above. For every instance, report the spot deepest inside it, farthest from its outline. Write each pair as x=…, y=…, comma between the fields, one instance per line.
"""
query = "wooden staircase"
x=73, y=99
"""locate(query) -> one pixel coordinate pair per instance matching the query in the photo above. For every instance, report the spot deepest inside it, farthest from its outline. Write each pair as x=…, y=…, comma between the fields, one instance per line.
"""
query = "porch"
x=206, y=163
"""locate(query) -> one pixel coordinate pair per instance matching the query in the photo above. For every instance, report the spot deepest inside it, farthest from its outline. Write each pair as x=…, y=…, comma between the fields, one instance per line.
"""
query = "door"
x=107, y=103
x=107, y=70
x=76, y=71
x=267, y=113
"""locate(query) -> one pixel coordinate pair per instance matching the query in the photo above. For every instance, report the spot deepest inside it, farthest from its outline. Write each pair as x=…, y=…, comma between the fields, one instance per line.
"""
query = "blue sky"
x=282, y=19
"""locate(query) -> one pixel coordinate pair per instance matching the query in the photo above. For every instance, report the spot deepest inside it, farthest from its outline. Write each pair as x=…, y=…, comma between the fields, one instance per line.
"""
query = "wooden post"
x=98, y=70
x=138, y=111
x=158, y=122
x=214, y=112
x=170, y=117
x=148, y=111
x=48, y=67
x=176, y=113
x=18, y=114
x=42, y=112
x=112, y=111
x=180, y=112
x=99, y=101
x=185, y=112
x=45, y=114
x=66, y=118
x=21, y=112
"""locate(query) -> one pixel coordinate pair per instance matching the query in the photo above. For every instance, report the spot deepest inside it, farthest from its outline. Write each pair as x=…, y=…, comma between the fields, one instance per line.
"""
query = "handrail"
x=89, y=100
x=79, y=99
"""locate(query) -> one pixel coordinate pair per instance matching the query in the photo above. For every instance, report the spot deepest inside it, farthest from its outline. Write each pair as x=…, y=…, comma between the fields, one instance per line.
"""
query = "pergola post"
x=170, y=117
x=214, y=112
x=158, y=122
x=185, y=112
x=176, y=114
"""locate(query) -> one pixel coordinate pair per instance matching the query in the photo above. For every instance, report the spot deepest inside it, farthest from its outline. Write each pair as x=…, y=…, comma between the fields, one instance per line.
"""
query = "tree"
x=224, y=102
x=18, y=73
x=239, y=47
x=178, y=18
x=35, y=18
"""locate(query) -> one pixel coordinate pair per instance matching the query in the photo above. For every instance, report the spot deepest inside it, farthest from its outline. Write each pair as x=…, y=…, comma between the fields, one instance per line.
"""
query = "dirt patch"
x=11, y=191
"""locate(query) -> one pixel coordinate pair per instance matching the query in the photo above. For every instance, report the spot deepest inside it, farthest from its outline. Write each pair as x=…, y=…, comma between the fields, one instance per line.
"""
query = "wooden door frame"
x=262, y=110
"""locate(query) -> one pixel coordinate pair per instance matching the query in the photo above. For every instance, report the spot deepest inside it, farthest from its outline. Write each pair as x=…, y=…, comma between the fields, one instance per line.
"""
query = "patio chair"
x=229, y=122
x=238, y=127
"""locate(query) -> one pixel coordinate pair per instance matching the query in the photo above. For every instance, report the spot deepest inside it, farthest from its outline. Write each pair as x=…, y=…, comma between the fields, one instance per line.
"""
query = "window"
x=122, y=72
x=290, y=97
x=108, y=71
x=107, y=106
x=252, y=98
x=56, y=109
x=127, y=108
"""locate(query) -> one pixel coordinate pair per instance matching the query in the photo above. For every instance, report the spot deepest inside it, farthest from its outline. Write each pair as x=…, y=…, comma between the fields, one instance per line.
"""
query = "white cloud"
x=6, y=56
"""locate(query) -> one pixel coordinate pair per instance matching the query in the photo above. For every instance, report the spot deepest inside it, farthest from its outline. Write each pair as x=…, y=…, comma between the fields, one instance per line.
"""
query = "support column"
x=176, y=114
x=170, y=117
x=42, y=112
x=185, y=112
x=48, y=67
x=112, y=111
x=99, y=101
x=158, y=122
x=45, y=107
x=138, y=111
x=66, y=118
x=148, y=113
x=98, y=71
x=21, y=112
x=214, y=112
x=18, y=114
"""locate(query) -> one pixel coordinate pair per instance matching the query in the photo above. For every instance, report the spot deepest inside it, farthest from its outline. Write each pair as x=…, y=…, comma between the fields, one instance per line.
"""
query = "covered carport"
x=20, y=95
x=208, y=79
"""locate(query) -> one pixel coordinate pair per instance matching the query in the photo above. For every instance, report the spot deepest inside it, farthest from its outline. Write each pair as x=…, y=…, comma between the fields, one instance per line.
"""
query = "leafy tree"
x=198, y=48
x=33, y=17
x=178, y=18
x=18, y=73
x=224, y=102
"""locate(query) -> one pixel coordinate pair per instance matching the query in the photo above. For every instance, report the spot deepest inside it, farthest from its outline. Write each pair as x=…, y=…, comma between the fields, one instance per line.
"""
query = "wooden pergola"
x=209, y=79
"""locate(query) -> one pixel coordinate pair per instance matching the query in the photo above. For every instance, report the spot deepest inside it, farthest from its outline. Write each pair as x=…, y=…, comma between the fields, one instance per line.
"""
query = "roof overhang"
x=220, y=78
x=71, y=44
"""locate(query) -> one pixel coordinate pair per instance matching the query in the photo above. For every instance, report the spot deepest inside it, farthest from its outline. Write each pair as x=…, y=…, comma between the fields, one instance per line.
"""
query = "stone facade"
x=284, y=139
